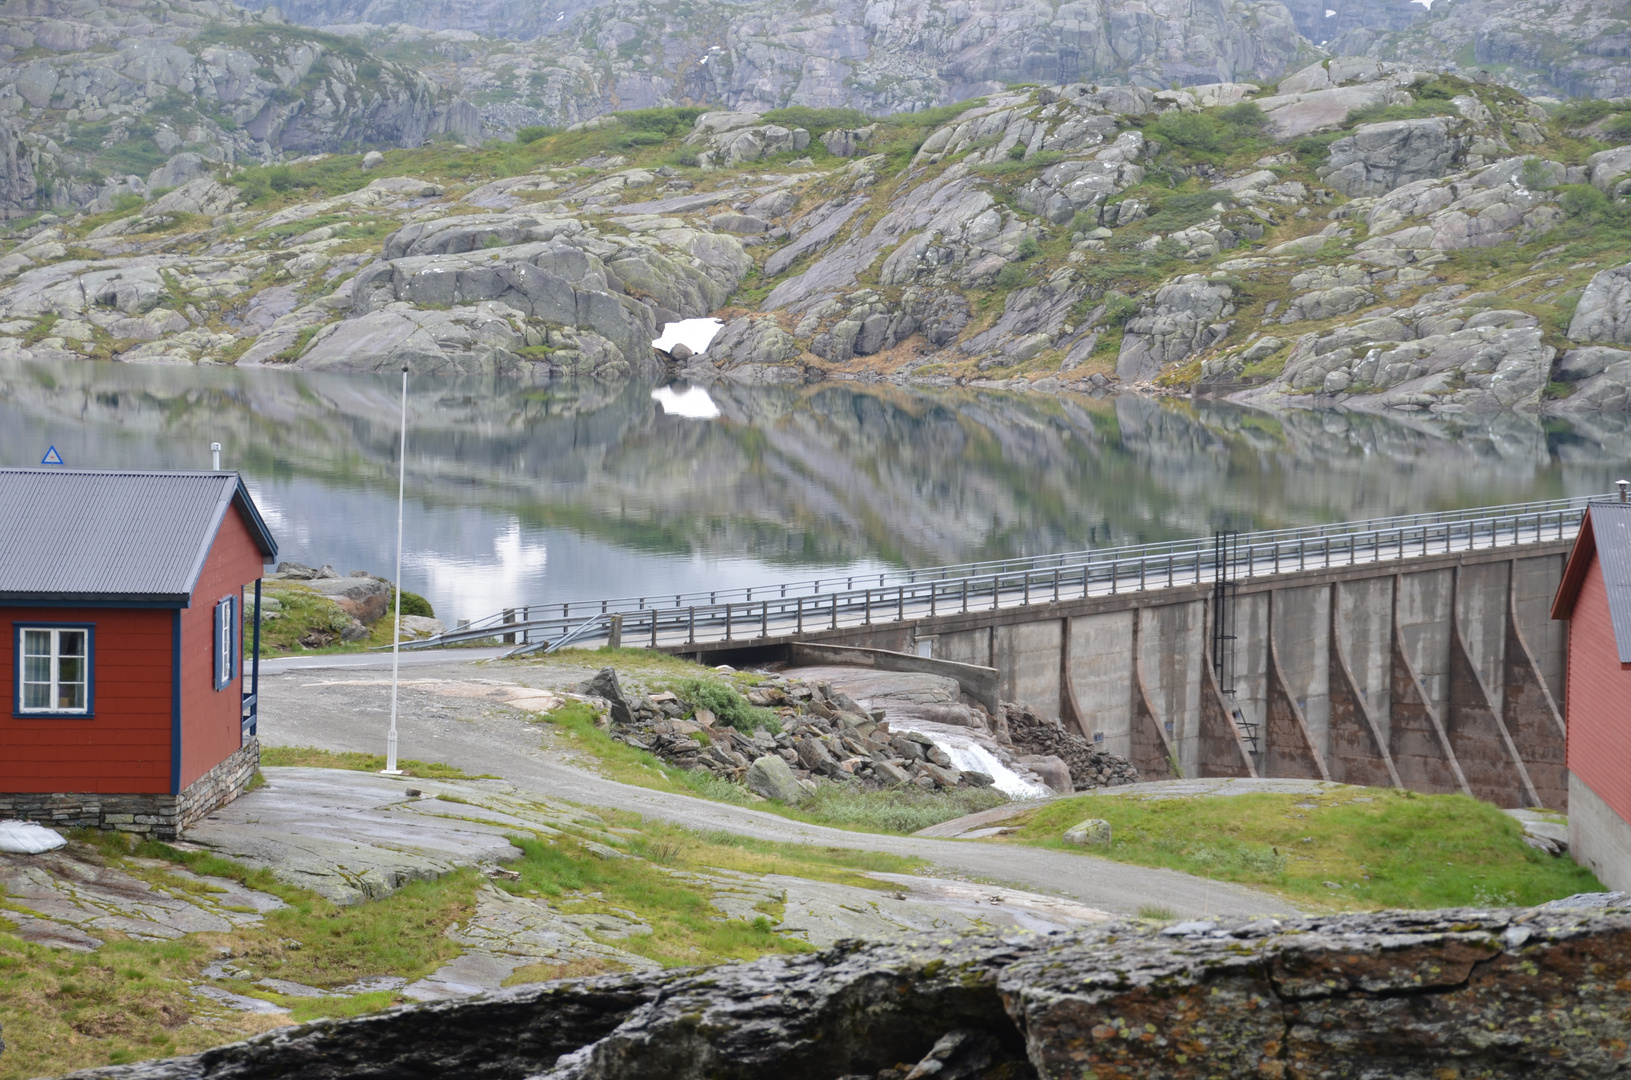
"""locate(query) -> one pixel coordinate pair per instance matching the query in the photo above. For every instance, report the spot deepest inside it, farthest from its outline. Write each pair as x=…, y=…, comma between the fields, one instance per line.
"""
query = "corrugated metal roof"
x=68, y=534
x=1611, y=527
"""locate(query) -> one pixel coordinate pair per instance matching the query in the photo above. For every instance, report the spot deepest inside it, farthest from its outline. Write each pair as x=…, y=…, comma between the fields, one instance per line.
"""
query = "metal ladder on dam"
x=1225, y=597
x=734, y=618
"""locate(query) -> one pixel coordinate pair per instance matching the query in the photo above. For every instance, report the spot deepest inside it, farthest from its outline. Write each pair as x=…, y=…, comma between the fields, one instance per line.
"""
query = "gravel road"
x=446, y=715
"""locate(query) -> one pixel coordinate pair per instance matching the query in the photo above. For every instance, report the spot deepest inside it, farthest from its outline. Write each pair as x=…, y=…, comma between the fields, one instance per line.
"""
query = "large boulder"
x=605, y=685
x=1184, y=318
x=1598, y=380
x=1604, y=311
x=363, y=598
x=773, y=778
x=1377, y=158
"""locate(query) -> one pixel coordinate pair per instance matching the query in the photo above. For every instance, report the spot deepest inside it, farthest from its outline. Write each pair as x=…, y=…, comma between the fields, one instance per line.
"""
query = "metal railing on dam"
x=779, y=610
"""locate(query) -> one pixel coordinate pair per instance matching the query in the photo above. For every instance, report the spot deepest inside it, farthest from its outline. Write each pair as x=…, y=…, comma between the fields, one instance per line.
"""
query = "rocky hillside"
x=1573, y=49
x=554, y=65
x=1361, y=234
x=103, y=100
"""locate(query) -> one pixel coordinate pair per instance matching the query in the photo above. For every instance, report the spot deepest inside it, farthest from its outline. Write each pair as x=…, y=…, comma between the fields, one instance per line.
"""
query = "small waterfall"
x=969, y=755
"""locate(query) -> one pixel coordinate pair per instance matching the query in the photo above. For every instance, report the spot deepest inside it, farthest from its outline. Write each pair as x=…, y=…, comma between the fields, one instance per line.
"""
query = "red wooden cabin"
x=1595, y=598
x=122, y=646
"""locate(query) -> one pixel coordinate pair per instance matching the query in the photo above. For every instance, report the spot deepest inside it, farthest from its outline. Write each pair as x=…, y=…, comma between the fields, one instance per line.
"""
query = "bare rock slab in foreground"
x=1536, y=994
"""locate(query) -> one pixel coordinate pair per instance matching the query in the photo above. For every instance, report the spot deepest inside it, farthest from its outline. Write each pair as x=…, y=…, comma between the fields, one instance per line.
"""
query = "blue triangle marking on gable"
x=51, y=457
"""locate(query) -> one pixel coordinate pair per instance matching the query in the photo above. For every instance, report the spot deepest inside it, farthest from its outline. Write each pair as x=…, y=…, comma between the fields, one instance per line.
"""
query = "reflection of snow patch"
x=1428, y=4
x=1329, y=13
x=694, y=334
x=968, y=755
x=692, y=403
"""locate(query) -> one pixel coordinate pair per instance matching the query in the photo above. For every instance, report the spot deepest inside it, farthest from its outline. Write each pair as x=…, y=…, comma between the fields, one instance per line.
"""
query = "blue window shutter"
x=216, y=641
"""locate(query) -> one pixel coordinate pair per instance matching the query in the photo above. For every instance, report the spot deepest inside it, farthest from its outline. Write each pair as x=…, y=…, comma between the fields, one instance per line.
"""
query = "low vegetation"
x=1349, y=849
x=306, y=621
x=311, y=757
x=900, y=810
x=130, y=1000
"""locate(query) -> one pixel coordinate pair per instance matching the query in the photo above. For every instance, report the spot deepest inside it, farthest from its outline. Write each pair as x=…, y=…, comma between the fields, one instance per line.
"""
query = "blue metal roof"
x=74, y=534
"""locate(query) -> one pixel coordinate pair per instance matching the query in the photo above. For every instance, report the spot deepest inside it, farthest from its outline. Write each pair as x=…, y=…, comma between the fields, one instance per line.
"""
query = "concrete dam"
x=1412, y=652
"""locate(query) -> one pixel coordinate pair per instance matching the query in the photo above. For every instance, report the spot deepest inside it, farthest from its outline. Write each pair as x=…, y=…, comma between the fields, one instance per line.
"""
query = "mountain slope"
x=94, y=93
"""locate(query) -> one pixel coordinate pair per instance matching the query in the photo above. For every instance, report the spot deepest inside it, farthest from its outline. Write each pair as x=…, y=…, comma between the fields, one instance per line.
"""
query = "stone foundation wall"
x=220, y=785
x=162, y=817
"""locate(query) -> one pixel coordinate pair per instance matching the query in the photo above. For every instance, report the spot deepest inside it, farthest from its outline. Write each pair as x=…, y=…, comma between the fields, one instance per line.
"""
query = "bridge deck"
x=744, y=616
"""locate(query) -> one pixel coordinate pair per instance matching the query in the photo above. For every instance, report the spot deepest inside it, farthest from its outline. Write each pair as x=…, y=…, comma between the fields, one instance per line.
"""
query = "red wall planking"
x=1598, y=702
x=125, y=747
x=211, y=719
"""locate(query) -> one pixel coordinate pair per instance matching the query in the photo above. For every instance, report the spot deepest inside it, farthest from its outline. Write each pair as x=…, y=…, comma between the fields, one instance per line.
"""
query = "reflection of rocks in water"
x=810, y=473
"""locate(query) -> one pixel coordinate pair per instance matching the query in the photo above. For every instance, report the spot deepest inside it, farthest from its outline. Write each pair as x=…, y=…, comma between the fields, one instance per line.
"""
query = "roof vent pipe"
x=1622, y=485
x=215, y=458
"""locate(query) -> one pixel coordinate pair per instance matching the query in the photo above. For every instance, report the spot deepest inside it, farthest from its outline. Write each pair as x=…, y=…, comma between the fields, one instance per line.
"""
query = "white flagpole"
x=396, y=634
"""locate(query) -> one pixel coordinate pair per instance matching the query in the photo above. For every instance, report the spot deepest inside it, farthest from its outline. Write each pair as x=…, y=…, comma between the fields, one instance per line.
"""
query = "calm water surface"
x=523, y=494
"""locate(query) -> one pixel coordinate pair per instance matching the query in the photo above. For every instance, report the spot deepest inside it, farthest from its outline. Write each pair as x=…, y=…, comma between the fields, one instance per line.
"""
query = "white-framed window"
x=226, y=642
x=54, y=670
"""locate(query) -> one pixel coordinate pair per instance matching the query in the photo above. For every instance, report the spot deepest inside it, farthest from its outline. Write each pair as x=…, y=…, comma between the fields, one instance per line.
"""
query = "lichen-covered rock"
x=1598, y=379
x=1446, y=354
x=771, y=777
x=1377, y=158
x=1093, y=832
x=1604, y=311
x=730, y=139
x=1184, y=318
x=1397, y=994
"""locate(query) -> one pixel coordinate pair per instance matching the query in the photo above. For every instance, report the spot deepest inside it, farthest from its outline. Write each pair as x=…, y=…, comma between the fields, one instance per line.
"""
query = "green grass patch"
x=128, y=1000
x=900, y=810
x=310, y=757
x=686, y=928
x=1349, y=849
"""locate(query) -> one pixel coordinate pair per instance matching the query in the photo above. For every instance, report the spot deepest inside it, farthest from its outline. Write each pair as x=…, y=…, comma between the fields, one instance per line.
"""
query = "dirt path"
x=452, y=711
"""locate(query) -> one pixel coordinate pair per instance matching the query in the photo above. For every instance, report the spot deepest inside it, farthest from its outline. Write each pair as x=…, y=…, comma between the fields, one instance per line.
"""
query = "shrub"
x=1084, y=221
x=1192, y=131
x=1028, y=248
x=532, y=133
x=414, y=604
x=687, y=158
x=1118, y=308
x=1247, y=116
x=729, y=706
x=1535, y=175
x=816, y=121
x=1585, y=204
x=1583, y=111
x=1619, y=128
x=126, y=202
x=1011, y=276
x=664, y=122
x=1016, y=152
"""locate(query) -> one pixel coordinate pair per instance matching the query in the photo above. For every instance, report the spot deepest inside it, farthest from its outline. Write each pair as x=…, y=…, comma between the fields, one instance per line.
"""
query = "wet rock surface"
x=1403, y=993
